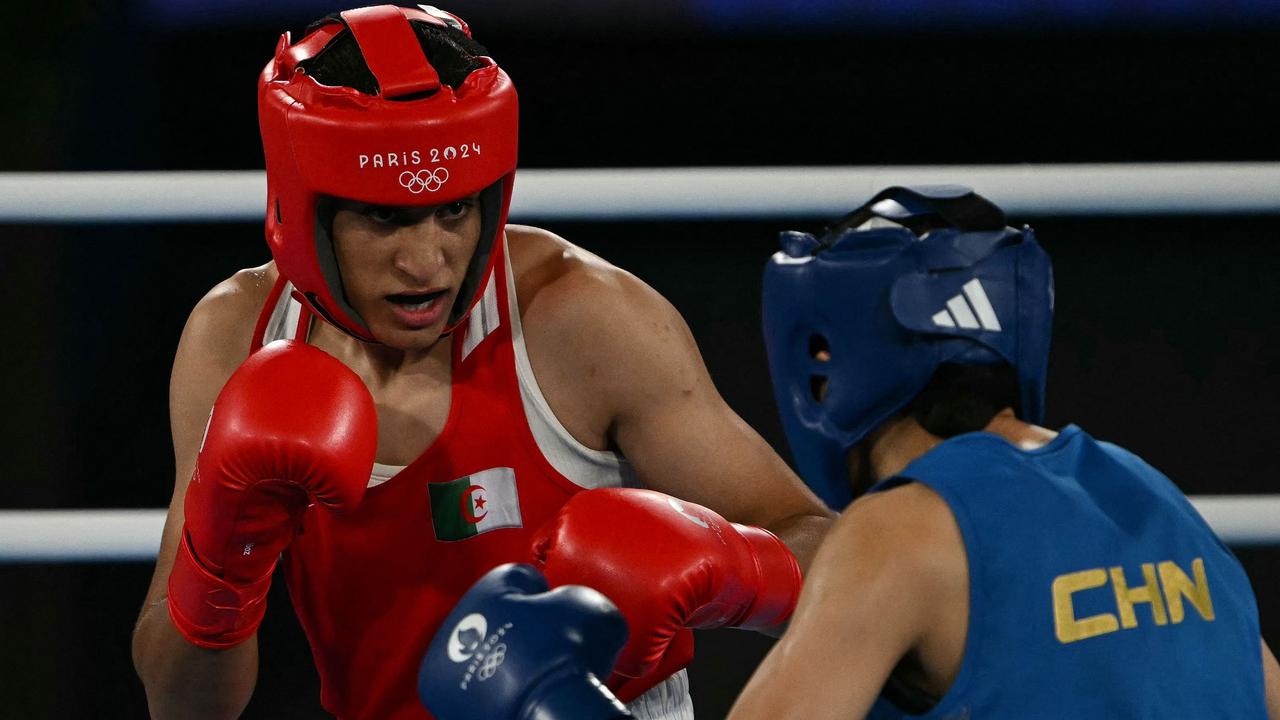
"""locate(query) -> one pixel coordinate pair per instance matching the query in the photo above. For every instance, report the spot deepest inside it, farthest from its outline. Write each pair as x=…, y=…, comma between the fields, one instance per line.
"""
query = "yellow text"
x=1163, y=586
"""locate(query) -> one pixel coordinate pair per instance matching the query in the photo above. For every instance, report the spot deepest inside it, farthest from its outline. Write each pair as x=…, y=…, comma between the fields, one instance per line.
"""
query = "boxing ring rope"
x=61, y=536
x=683, y=193
x=812, y=193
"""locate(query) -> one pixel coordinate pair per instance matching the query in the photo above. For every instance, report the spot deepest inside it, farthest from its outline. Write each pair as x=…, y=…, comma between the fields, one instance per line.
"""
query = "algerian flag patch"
x=475, y=504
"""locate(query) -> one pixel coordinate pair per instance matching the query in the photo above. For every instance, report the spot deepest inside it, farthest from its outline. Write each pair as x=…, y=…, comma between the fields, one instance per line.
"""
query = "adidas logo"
x=970, y=310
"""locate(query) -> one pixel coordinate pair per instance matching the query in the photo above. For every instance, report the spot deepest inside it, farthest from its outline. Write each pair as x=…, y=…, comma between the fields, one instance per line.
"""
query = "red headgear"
x=416, y=142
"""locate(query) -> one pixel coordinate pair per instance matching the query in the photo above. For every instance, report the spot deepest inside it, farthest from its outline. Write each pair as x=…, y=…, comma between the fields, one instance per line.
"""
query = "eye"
x=382, y=214
x=455, y=210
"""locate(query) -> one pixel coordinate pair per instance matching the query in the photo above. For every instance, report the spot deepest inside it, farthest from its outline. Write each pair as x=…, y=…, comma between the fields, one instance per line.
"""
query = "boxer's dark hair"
x=964, y=398
x=450, y=51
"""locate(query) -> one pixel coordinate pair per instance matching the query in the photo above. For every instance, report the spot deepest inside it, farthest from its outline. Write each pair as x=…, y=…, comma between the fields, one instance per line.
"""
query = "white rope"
x=683, y=193
x=79, y=535
x=58, y=536
x=676, y=193
x=1242, y=519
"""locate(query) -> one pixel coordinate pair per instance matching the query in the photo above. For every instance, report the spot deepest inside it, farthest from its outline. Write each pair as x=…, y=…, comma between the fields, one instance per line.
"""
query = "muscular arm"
x=873, y=595
x=1271, y=679
x=620, y=368
x=183, y=680
x=684, y=440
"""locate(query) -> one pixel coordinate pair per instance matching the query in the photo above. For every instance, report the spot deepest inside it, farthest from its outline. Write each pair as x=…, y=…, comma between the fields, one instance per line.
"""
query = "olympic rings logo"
x=428, y=180
x=491, y=662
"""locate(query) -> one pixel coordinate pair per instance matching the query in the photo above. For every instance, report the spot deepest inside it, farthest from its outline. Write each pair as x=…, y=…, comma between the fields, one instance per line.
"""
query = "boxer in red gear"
x=292, y=426
x=668, y=565
x=510, y=370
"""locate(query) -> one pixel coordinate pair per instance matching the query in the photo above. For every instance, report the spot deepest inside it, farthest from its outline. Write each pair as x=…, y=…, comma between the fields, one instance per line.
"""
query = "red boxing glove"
x=293, y=425
x=667, y=564
x=678, y=655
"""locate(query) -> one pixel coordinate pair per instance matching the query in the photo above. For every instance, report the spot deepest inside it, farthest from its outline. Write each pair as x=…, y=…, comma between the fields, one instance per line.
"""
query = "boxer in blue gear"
x=512, y=650
x=995, y=568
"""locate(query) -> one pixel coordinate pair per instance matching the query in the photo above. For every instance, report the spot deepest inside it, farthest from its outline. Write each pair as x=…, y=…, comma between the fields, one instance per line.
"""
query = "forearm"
x=186, y=681
x=802, y=534
x=785, y=687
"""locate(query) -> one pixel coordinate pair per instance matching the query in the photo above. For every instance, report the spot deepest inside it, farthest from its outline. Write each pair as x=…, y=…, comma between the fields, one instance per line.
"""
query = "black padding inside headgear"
x=452, y=53
x=327, y=256
x=925, y=208
x=490, y=214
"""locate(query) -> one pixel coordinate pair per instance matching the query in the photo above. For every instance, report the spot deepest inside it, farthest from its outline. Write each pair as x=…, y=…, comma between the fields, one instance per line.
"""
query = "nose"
x=419, y=254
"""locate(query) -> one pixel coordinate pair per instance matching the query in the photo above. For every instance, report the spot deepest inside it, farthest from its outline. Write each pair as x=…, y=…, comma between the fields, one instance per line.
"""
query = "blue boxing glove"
x=511, y=650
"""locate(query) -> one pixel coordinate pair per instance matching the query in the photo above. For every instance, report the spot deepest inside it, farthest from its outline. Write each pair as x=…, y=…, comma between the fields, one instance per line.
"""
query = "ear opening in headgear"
x=818, y=385
x=820, y=352
x=819, y=348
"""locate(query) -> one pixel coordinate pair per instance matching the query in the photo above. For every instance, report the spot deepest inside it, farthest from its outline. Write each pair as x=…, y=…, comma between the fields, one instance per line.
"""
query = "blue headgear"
x=915, y=278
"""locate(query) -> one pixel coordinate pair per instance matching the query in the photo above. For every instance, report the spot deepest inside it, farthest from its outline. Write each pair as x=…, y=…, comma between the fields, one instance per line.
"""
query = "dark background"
x=1165, y=338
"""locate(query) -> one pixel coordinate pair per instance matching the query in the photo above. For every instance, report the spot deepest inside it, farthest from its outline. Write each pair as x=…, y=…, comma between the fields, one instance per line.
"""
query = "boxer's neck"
x=901, y=441
x=382, y=364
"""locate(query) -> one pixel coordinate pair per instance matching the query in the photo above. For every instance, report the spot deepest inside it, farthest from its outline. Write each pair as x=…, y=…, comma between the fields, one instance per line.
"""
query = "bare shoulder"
x=908, y=531
x=559, y=283
x=569, y=295
x=214, y=342
x=602, y=343
x=909, y=508
x=871, y=601
x=898, y=560
x=582, y=308
x=223, y=320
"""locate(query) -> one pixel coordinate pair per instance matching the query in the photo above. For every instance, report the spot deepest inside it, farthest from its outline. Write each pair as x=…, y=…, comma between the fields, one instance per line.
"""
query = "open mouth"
x=416, y=301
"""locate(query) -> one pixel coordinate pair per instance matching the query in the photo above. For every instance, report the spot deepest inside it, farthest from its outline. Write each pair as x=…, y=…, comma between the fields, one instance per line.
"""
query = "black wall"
x=1165, y=339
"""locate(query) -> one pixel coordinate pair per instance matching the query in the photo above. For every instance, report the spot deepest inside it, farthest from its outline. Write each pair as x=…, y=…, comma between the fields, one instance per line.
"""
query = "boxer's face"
x=402, y=266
